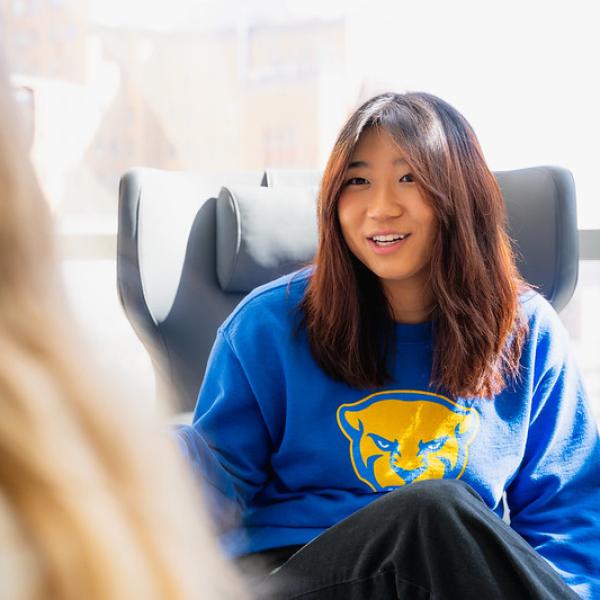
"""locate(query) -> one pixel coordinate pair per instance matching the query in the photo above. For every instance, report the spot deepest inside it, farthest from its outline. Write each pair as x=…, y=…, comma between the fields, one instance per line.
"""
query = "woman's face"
x=386, y=221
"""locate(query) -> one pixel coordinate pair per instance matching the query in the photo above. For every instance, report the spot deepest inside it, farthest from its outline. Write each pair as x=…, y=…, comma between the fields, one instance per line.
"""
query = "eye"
x=356, y=181
x=408, y=178
x=432, y=445
x=381, y=442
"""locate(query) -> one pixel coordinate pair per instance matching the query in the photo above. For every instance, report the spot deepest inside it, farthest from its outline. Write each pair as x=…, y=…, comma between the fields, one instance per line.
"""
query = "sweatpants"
x=431, y=540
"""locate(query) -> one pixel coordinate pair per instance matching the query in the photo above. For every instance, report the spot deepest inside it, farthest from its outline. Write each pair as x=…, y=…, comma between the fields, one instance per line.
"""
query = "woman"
x=94, y=502
x=368, y=414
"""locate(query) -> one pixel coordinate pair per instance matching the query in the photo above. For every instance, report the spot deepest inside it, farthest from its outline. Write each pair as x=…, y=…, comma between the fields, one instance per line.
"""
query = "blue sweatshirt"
x=297, y=451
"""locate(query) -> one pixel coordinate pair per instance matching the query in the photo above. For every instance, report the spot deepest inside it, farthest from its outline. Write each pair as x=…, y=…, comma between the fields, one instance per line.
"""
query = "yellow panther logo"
x=398, y=437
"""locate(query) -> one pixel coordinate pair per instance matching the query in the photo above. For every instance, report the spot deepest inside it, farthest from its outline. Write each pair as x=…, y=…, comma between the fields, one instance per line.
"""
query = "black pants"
x=430, y=540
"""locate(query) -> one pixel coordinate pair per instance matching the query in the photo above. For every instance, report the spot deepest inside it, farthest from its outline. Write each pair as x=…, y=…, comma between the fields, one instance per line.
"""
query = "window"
x=235, y=85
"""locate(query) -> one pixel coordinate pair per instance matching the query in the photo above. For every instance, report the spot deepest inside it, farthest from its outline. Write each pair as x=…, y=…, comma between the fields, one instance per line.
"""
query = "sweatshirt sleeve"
x=228, y=443
x=554, y=499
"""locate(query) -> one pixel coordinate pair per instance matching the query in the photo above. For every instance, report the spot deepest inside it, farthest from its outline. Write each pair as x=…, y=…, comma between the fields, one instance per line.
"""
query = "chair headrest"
x=542, y=223
x=263, y=233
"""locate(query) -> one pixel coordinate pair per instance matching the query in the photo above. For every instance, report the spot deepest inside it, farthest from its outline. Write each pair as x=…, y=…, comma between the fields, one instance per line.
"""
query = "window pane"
x=231, y=84
x=235, y=85
x=582, y=319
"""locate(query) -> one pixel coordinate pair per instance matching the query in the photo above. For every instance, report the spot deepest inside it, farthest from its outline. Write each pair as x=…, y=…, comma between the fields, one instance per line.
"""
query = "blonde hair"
x=95, y=501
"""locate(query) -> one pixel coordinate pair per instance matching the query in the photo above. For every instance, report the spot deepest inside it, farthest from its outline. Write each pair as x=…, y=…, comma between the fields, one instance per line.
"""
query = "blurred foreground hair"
x=95, y=502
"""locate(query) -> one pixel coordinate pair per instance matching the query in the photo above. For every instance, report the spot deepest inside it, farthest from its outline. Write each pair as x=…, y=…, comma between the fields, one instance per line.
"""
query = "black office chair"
x=185, y=258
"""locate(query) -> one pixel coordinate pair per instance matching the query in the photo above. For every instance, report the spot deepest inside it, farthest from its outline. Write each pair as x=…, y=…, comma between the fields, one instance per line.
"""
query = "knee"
x=433, y=496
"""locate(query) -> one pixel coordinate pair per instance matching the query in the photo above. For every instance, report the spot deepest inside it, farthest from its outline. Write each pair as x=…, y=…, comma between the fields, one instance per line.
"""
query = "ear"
x=352, y=420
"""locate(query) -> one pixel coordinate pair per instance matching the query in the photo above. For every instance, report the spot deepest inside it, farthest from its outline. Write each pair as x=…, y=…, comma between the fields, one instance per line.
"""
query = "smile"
x=388, y=241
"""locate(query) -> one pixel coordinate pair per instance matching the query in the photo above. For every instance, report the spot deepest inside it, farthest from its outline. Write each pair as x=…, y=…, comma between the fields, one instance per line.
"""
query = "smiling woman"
x=413, y=382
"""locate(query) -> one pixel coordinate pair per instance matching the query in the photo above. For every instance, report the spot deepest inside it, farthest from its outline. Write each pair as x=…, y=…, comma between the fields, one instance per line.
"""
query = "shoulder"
x=539, y=313
x=547, y=338
x=270, y=305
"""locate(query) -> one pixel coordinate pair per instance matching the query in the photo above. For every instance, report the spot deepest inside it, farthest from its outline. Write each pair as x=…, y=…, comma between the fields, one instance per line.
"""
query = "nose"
x=383, y=204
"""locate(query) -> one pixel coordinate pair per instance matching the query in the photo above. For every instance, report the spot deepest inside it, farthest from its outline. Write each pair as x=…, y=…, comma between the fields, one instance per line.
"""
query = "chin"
x=391, y=277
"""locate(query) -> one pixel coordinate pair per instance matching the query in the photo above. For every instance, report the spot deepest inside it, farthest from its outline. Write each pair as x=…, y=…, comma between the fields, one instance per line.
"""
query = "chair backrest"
x=166, y=276
x=188, y=251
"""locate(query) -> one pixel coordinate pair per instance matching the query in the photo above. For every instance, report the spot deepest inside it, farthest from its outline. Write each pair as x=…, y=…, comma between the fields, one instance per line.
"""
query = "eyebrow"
x=363, y=164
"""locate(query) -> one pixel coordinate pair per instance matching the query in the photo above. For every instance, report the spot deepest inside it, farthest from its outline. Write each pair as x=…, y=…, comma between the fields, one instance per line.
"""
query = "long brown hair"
x=478, y=329
x=95, y=500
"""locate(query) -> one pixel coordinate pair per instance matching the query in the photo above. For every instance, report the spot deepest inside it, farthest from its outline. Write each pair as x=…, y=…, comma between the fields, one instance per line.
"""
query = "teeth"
x=392, y=237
